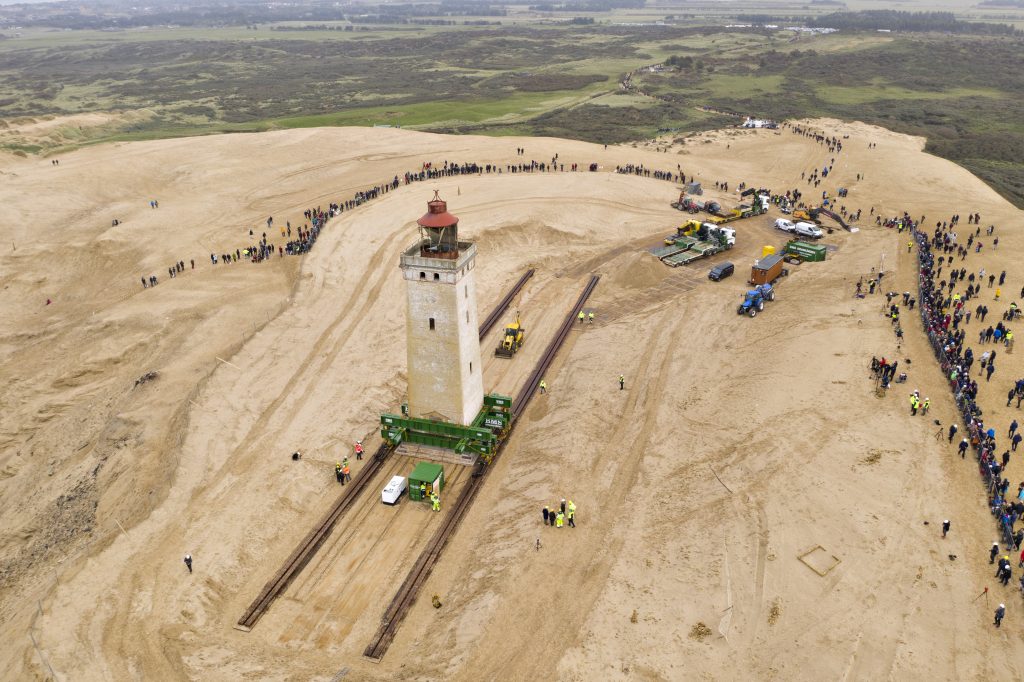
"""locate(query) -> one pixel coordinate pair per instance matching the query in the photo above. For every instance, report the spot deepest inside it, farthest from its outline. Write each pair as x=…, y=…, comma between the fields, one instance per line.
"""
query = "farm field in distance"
x=513, y=70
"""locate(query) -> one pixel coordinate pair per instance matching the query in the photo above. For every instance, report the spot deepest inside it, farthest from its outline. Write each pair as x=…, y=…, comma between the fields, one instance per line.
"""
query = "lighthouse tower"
x=443, y=345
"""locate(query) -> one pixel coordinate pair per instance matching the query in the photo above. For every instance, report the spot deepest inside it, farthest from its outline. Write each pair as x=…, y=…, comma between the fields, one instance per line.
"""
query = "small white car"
x=784, y=225
x=805, y=229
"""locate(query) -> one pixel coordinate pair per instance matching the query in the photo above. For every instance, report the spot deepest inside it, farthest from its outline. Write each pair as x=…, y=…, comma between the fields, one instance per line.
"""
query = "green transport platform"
x=480, y=437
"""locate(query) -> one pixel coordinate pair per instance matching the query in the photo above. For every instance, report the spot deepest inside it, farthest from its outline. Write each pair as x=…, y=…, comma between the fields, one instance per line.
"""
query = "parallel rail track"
x=504, y=304
x=406, y=595
x=312, y=542
x=309, y=545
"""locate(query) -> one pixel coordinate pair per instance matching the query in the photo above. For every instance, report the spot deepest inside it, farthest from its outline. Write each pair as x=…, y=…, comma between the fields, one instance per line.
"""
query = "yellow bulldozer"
x=512, y=340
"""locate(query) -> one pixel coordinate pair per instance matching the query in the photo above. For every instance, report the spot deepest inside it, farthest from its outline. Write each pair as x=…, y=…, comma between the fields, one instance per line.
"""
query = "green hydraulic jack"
x=482, y=436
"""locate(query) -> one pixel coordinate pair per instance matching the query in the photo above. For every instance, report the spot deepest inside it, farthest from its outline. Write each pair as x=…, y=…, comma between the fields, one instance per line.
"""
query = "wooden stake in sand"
x=122, y=528
x=229, y=363
x=41, y=657
x=719, y=480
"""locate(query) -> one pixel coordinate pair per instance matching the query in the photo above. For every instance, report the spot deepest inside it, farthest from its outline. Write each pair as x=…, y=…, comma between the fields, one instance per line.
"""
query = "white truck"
x=784, y=225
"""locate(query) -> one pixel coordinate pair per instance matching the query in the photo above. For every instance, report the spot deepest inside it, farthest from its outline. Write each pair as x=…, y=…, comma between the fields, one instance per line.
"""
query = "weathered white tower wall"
x=445, y=372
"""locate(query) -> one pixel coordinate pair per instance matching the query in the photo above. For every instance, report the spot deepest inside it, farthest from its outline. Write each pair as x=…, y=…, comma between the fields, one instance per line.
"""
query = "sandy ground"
x=738, y=445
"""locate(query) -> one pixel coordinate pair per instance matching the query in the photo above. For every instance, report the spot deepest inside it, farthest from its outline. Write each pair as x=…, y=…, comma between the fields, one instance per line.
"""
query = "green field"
x=535, y=74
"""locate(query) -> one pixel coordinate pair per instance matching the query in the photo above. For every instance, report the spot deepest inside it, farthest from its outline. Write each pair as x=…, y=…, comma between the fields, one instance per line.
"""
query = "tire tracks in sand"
x=575, y=606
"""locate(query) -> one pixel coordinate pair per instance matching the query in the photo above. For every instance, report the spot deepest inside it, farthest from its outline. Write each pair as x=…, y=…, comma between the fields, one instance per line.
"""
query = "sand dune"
x=738, y=445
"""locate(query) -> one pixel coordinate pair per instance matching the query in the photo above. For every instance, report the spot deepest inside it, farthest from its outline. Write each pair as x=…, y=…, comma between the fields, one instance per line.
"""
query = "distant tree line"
x=762, y=19
x=911, y=22
x=587, y=5
x=231, y=13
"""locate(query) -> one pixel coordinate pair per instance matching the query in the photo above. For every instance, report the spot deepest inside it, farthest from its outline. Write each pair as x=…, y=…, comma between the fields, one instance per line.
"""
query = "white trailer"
x=393, y=490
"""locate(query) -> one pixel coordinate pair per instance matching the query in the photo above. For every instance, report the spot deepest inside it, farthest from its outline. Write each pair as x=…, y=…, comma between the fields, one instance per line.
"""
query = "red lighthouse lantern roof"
x=437, y=214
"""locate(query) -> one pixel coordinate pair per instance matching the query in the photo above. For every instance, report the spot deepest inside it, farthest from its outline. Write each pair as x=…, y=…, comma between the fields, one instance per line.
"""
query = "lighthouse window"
x=465, y=290
x=436, y=276
x=423, y=275
x=471, y=368
x=467, y=316
x=431, y=324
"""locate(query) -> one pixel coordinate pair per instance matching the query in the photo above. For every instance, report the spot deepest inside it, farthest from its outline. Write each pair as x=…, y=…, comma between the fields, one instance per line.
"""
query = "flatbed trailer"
x=663, y=252
x=694, y=253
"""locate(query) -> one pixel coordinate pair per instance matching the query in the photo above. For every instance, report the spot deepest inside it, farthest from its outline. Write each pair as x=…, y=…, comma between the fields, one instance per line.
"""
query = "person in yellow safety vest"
x=925, y=405
x=590, y=317
x=543, y=387
x=344, y=462
x=910, y=245
x=423, y=491
x=998, y=291
x=582, y=316
x=1009, y=341
x=560, y=520
x=913, y=404
x=435, y=502
x=572, y=514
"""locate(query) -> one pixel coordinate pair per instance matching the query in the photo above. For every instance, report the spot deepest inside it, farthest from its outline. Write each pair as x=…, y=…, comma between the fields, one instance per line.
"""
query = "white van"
x=784, y=225
x=808, y=230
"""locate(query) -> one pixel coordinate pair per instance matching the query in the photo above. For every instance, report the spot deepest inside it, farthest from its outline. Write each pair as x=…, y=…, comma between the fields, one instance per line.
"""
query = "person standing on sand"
x=188, y=562
x=993, y=552
x=1000, y=613
x=952, y=432
x=945, y=527
x=545, y=513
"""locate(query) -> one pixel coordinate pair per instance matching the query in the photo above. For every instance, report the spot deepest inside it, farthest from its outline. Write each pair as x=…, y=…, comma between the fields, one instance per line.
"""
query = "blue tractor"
x=753, y=302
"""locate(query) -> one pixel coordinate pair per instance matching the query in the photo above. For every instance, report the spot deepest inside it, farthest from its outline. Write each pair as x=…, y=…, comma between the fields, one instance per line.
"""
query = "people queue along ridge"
x=945, y=314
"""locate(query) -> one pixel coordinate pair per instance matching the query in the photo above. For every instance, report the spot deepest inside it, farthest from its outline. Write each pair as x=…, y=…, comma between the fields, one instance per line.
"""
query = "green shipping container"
x=809, y=252
x=425, y=473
